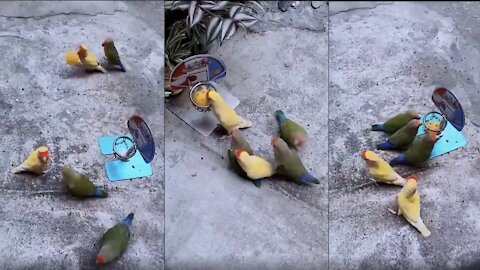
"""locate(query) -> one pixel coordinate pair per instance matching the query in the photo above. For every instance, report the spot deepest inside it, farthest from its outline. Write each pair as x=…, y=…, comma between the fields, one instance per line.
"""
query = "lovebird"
x=395, y=123
x=380, y=170
x=402, y=138
x=255, y=167
x=227, y=117
x=115, y=241
x=112, y=54
x=88, y=59
x=240, y=143
x=80, y=186
x=419, y=152
x=289, y=164
x=291, y=132
x=409, y=206
x=37, y=162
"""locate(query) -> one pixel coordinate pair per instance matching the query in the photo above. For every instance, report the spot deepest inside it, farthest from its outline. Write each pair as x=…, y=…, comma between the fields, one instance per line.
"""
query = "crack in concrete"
x=306, y=28
x=62, y=13
x=358, y=8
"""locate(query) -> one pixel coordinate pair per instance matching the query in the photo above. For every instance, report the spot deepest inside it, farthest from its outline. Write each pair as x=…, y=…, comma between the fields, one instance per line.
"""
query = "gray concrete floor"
x=44, y=101
x=385, y=58
x=216, y=220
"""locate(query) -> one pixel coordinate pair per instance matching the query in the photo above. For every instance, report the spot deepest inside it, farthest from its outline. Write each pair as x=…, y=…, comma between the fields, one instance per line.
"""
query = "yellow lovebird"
x=88, y=59
x=380, y=170
x=72, y=58
x=255, y=167
x=37, y=162
x=227, y=117
x=409, y=206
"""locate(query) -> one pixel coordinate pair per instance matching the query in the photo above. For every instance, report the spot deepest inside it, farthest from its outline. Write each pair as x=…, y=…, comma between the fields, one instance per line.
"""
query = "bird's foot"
x=391, y=211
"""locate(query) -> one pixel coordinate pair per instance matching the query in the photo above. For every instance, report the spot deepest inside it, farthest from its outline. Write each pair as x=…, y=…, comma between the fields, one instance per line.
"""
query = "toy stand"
x=193, y=70
x=451, y=109
x=133, y=153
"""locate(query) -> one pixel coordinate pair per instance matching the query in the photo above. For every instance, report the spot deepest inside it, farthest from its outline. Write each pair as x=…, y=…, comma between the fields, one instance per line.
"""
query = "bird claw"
x=391, y=211
x=225, y=137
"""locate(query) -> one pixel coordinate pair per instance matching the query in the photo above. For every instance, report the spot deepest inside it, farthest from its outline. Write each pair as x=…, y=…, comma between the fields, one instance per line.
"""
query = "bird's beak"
x=364, y=155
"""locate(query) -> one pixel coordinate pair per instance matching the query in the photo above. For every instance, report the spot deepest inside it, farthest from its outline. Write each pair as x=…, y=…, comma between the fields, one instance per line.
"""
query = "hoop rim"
x=124, y=157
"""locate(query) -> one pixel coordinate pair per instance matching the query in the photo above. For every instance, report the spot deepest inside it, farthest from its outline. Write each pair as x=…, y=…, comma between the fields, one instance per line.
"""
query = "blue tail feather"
x=386, y=146
x=280, y=116
x=128, y=220
x=400, y=160
x=308, y=178
x=257, y=183
x=100, y=193
x=379, y=127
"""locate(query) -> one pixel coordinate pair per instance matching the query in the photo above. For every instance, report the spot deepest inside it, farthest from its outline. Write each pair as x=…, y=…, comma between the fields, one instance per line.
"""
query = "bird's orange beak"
x=100, y=260
x=413, y=177
x=238, y=153
x=364, y=155
x=274, y=140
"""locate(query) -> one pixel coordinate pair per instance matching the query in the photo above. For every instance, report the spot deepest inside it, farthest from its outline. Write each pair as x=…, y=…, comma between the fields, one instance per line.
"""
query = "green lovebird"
x=112, y=54
x=402, y=138
x=291, y=132
x=289, y=164
x=115, y=241
x=395, y=123
x=419, y=152
x=80, y=186
x=240, y=143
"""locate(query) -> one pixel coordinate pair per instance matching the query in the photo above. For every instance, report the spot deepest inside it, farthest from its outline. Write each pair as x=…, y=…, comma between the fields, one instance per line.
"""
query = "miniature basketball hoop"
x=132, y=153
x=201, y=88
x=435, y=122
x=449, y=120
x=195, y=74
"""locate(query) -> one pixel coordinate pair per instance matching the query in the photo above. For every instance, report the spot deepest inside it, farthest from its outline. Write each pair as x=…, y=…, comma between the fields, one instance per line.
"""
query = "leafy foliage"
x=205, y=23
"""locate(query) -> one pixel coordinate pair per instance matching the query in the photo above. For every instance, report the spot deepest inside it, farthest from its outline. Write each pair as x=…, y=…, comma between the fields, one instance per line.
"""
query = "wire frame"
x=198, y=87
x=130, y=152
x=435, y=122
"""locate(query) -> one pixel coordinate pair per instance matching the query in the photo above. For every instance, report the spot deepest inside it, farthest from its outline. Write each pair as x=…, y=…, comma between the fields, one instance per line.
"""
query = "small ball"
x=200, y=98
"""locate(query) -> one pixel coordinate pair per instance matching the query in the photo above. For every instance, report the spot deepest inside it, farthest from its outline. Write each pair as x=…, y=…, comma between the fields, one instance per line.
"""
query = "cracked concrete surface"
x=216, y=220
x=44, y=101
x=384, y=59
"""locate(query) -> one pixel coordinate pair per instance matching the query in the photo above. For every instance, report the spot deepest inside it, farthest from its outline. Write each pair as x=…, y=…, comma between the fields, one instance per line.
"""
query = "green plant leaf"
x=208, y=4
x=195, y=13
x=214, y=28
x=244, y=17
x=248, y=23
x=220, y=5
x=228, y=29
x=234, y=11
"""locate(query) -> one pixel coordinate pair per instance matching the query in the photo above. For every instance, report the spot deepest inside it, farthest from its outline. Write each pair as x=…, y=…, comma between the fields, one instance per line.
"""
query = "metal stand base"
x=203, y=122
x=118, y=170
x=451, y=140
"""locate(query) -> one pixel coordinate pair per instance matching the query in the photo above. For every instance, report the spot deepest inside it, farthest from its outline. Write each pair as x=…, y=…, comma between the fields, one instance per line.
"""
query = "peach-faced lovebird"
x=240, y=143
x=395, y=123
x=112, y=54
x=37, y=162
x=88, y=59
x=419, y=152
x=255, y=167
x=402, y=138
x=289, y=164
x=227, y=117
x=380, y=170
x=291, y=132
x=115, y=241
x=80, y=186
x=409, y=206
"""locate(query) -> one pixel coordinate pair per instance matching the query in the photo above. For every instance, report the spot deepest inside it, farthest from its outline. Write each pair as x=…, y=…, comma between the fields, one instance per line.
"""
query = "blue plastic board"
x=451, y=140
x=118, y=170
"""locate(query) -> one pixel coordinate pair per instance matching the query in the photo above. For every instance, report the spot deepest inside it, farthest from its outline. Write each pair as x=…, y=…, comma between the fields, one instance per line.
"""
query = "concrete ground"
x=45, y=102
x=215, y=219
x=385, y=58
